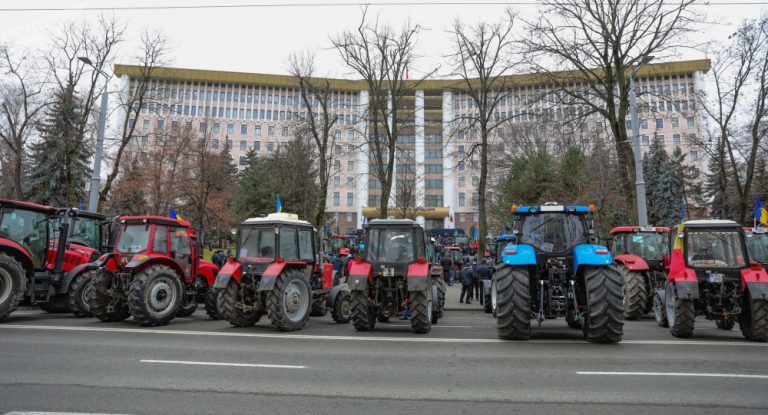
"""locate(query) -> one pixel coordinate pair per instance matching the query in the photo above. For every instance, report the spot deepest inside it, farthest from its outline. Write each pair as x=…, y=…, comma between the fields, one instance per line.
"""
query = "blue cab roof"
x=553, y=209
x=507, y=237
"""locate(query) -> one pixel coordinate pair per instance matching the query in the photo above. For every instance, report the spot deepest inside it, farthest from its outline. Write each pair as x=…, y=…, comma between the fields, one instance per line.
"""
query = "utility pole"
x=642, y=208
x=93, y=200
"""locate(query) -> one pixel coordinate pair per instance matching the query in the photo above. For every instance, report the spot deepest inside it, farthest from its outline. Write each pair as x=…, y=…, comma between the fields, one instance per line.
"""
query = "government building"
x=435, y=169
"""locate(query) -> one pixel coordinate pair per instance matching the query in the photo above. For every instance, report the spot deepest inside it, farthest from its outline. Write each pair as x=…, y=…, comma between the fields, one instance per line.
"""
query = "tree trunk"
x=483, y=226
x=321, y=200
x=18, y=160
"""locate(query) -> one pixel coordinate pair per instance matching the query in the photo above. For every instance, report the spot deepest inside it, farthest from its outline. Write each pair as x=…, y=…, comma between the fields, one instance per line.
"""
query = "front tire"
x=603, y=320
x=102, y=303
x=342, y=308
x=77, y=295
x=659, y=311
x=12, y=284
x=421, y=311
x=189, y=306
x=289, y=302
x=211, y=303
x=513, y=303
x=681, y=314
x=363, y=317
x=155, y=296
x=725, y=324
x=753, y=320
x=230, y=303
x=635, y=293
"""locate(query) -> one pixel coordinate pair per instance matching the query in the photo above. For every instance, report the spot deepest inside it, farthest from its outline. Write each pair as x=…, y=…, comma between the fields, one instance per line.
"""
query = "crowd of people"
x=466, y=271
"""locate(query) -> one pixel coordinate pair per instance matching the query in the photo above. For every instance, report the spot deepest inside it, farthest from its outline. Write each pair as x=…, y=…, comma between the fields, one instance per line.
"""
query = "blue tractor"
x=552, y=270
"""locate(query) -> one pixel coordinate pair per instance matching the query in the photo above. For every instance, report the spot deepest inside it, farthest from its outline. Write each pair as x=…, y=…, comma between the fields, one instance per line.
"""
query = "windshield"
x=461, y=240
x=390, y=245
x=757, y=244
x=133, y=239
x=27, y=228
x=86, y=231
x=714, y=249
x=257, y=244
x=553, y=232
x=646, y=245
x=337, y=243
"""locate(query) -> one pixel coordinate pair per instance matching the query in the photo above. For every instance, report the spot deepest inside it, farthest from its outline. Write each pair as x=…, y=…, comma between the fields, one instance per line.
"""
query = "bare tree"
x=482, y=59
x=141, y=94
x=22, y=102
x=601, y=41
x=315, y=119
x=382, y=56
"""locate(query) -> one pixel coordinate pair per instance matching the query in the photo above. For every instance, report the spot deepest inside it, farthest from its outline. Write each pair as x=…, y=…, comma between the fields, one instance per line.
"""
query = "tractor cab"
x=757, y=244
x=27, y=232
x=714, y=249
x=392, y=245
x=501, y=242
x=649, y=244
x=336, y=243
x=453, y=252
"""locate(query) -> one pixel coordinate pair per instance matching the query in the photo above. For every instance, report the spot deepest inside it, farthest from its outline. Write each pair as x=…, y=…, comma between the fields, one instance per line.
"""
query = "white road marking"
x=54, y=413
x=183, y=362
x=361, y=338
x=681, y=374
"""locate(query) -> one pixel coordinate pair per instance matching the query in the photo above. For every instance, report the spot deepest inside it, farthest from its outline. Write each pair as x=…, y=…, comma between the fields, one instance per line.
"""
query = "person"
x=229, y=253
x=447, y=263
x=467, y=282
x=218, y=258
x=482, y=272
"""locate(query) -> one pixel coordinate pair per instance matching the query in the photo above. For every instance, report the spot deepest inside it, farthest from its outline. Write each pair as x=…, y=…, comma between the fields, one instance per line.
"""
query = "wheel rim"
x=5, y=285
x=346, y=308
x=493, y=295
x=670, y=306
x=429, y=305
x=85, y=292
x=162, y=294
x=295, y=301
x=657, y=309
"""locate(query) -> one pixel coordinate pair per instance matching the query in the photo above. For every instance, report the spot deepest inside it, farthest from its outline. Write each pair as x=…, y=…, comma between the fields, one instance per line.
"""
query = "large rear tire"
x=289, y=302
x=77, y=295
x=635, y=293
x=753, y=320
x=12, y=284
x=603, y=320
x=421, y=311
x=342, y=308
x=513, y=303
x=230, y=303
x=681, y=314
x=211, y=303
x=155, y=296
x=101, y=302
x=363, y=317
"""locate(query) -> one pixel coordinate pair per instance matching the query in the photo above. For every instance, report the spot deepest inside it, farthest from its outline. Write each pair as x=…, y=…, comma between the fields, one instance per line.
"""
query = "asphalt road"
x=194, y=365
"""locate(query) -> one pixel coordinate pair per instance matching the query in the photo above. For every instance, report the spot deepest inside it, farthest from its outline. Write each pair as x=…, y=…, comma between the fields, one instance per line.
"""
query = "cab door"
x=181, y=250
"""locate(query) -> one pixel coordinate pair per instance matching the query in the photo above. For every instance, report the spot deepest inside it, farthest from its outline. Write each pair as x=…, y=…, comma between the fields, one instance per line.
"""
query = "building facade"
x=436, y=175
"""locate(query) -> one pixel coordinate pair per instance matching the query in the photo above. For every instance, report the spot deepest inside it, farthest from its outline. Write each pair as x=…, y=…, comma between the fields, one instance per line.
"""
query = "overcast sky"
x=258, y=39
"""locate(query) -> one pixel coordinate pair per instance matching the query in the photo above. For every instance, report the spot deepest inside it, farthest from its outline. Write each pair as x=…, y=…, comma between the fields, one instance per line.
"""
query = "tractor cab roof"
x=635, y=229
x=758, y=230
x=339, y=236
x=277, y=218
x=452, y=248
x=553, y=208
x=16, y=204
x=81, y=213
x=158, y=220
x=711, y=223
x=506, y=237
x=392, y=223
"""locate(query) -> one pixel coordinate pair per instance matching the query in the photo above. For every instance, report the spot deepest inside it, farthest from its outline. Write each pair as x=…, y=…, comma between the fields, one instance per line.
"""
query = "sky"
x=258, y=39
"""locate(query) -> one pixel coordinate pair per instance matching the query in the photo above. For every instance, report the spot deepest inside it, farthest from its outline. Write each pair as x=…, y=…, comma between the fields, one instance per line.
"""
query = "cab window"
x=288, y=246
x=160, y=242
x=180, y=243
x=305, y=246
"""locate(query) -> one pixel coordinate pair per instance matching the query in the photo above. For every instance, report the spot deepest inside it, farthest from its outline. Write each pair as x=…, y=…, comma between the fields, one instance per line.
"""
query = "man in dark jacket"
x=467, y=282
x=482, y=272
x=447, y=263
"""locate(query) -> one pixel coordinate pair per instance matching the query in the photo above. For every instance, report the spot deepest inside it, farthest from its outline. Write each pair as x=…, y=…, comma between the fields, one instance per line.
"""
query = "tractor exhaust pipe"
x=62, y=246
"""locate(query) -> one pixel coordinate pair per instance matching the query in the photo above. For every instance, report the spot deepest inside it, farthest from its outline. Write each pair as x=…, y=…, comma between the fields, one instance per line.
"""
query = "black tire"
x=289, y=302
x=574, y=323
x=230, y=303
x=659, y=311
x=435, y=305
x=421, y=311
x=381, y=318
x=725, y=324
x=77, y=295
x=440, y=296
x=681, y=314
x=487, y=304
x=155, y=296
x=318, y=309
x=635, y=293
x=101, y=303
x=753, y=320
x=363, y=317
x=188, y=307
x=342, y=308
x=56, y=304
x=603, y=318
x=211, y=303
x=13, y=282
x=513, y=303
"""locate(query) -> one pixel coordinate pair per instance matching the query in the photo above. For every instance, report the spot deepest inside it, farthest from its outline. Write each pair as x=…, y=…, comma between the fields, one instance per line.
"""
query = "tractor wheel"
x=289, y=302
x=753, y=320
x=440, y=284
x=342, y=309
x=574, y=322
x=229, y=306
x=435, y=315
x=56, y=304
x=493, y=298
x=421, y=311
x=155, y=296
x=659, y=311
x=363, y=317
x=12, y=284
x=318, y=309
x=725, y=324
x=77, y=295
x=487, y=304
x=603, y=320
x=681, y=314
x=101, y=302
x=635, y=293
x=188, y=307
x=211, y=307
x=513, y=303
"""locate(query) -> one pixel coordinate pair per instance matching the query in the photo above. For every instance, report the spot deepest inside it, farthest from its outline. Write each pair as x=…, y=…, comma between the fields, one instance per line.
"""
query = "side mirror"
x=508, y=226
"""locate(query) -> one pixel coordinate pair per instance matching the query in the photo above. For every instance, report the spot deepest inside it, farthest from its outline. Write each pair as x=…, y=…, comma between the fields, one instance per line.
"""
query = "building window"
x=350, y=165
x=336, y=181
x=270, y=146
x=229, y=144
x=433, y=168
x=460, y=150
x=433, y=201
x=216, y=128
x=374, y=184
x=374, y=200
x=462, y=199
x=461, y=181
x=691, y=123
x=433, y=184
x=350, y=181
x=676, y=139
x=257, y=145
x=475, y=180
x=461, y=165
x=145, y=124
x=350, y=199
x=336, y=197
x=257, y=130
x=659, y=123
x=243, y=161
x=694, y=155
x=243, y=145
x=230, y=128
x=660, y=138
x=229, y=112
x=243, y=129
x=215, y=143
x=284, y=132
x=646, y=140
x=675, y=122
x=644, y=124
x=475, y=198
x=203, y=127
x=350, y=135
x=271, y=131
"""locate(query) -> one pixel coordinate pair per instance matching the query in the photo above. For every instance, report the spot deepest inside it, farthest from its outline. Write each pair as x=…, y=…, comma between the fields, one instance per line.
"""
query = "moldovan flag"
x=677, y=261
x=761, y=214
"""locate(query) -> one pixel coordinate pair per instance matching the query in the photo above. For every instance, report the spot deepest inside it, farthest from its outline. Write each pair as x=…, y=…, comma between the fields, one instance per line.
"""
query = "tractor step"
x=41, y=287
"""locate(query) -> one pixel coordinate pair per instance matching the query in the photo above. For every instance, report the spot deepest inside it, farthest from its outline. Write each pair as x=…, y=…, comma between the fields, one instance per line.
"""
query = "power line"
x=337, y=4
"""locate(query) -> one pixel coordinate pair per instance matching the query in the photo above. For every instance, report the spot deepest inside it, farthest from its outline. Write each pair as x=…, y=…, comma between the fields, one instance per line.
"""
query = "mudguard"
x=416, y=276
x=208, y=270
x=359, y=276
x=588, y=255
x=329, y=279
x=757, y=291
x=687, y=290
x=70, y=275
x=519, y=255
x=334, y=292
x=270, y=275
x=231, y=269
x=143, y=261
x=633, y=262
x=16, y=250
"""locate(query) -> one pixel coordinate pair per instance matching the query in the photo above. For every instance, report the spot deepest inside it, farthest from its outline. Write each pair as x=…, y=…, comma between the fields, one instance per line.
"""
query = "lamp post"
x=642, y=210
x=93, y=199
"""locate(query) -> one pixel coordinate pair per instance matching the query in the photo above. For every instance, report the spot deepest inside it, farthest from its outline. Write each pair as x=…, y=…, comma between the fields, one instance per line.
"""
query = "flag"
x=682, y=214
x=677, y=261
x=474, y=234
x=279, y=204
x=761, y=214
x=173, y=215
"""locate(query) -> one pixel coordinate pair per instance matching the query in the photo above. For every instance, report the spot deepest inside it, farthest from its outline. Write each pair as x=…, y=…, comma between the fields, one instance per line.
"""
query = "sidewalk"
x=452, y=303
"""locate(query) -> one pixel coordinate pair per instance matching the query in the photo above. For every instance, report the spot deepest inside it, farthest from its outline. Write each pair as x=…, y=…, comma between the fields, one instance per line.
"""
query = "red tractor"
x=711, y=274
x=757, y=244
x=395, y=277
x=42, y=252
x=279, y=271
x=152, y=273
x=639, y=255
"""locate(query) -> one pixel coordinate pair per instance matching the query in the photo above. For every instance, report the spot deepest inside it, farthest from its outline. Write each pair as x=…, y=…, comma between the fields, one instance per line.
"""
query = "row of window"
x=336, y=198
x=674, y=122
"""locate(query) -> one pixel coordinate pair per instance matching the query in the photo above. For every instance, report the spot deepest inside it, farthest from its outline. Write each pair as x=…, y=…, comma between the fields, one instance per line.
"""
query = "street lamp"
x=93, y=200
x=642, y=209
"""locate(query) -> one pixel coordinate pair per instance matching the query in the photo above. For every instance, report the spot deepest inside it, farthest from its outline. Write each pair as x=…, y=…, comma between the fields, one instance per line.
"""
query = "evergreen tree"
x=664, y=190
x=254, y=188
x=60, y=159
x=723, y=204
